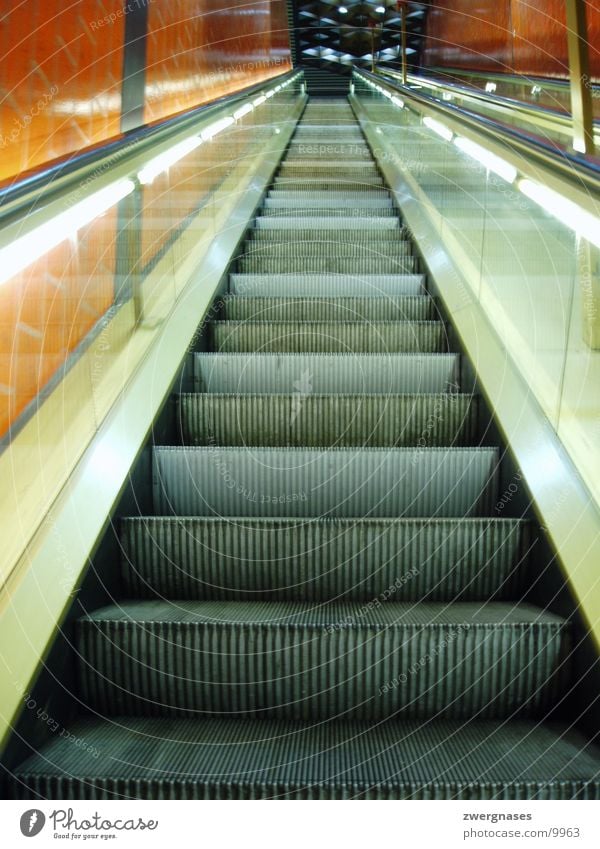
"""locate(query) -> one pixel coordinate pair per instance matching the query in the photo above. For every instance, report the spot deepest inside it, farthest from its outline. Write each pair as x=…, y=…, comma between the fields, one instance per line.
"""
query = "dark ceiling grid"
x=328, y=37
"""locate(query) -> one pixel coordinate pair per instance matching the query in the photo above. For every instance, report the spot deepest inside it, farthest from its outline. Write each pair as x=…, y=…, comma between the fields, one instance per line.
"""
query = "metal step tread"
x=374, y=228
x=257, y=307
x=330, y=373
x=313, y=661
x=328, y=336
x=304, y=419
x=253, y=263
x=328, y=284
x=342, y=615
x=345, y=482
x=262, y=759
x=325, y=559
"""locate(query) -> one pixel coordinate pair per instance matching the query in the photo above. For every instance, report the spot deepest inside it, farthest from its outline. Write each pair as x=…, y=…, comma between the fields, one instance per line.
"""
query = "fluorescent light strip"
x=165, y=160
x=492, y=162
x=259, y=101
x=398, y=102
x=243, y=110
x=441, y=129
x=564, y=210
x=213, y=129
x=25, y=250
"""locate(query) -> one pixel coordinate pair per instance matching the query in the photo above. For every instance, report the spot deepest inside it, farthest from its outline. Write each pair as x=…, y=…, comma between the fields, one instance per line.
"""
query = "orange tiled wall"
x=60, y=81
x=199, y=50
x=511, y=36
x=60, y=92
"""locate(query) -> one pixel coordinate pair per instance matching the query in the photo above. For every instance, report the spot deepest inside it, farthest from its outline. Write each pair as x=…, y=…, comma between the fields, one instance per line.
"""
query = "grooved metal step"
x=330, y=373
x=336, y=182
x=358, y=213
x=256, y=308
x=304, y=419
x=325, y=560
x=328, y=284
x=337, y=482
x=374, y=196
x=291, y=660
x=311, y=206
x=277, y=237
x=372, y=263
x=298, y=228
x=326, y=152
x=266, y=759
x=328, y=336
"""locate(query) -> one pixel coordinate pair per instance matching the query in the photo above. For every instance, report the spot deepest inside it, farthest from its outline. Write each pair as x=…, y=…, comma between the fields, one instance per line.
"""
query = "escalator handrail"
x=21, y=196
x=574, y=168
x=501, y=101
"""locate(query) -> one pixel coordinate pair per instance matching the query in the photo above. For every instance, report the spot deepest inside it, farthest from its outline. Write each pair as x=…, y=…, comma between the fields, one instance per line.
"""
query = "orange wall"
x=62, y=63
x=199, y=50
x=505, y=36
x=60, y=81
x=60, y=84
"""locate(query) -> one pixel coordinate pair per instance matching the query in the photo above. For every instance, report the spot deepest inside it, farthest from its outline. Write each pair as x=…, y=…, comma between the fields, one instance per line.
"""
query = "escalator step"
x=253, y=759
x=314, y=285
x=327, y=336
x=325, y=560
x=291, y=208
x=329, y=199
x=292, y=660
x=304, y=419
x=330, y=373
x=371, y=262
x=336, y=482
x=328, y=309
x=358, y=183
x=377, y=228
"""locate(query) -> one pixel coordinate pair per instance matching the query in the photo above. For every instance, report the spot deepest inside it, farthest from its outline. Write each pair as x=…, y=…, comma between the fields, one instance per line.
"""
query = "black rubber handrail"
x=488, y=97
x=573, y=166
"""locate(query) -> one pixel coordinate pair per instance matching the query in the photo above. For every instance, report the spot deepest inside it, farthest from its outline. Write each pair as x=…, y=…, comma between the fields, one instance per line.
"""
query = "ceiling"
x=337, y=34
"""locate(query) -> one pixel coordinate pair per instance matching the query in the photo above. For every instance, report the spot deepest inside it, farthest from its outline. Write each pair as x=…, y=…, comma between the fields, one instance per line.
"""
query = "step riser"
x=327, y=337
x=354, y=227
x=336, y=309
x=343, y=373
x=335, y=421
x=311, y=673
x=312, y=208
x=363, y=236
x=324, y=285
x=374, y=196
x=343, y=483
x=376, y=264
x=334, y=183
x=224, y=759
x=325, y=560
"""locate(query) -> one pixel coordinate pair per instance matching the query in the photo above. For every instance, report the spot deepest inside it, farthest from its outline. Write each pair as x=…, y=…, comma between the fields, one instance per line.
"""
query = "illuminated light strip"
x=564, y=210
x=439, y=128
x=259, y=101
x=25, y=250
x=398, y=102
x=165, y=160
x=214, y=129
x=492, y=162
x=243, y=110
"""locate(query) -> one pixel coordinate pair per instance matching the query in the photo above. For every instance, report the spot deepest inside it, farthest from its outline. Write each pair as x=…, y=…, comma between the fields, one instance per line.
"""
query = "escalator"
x=325, y=603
